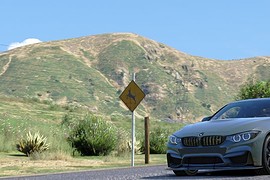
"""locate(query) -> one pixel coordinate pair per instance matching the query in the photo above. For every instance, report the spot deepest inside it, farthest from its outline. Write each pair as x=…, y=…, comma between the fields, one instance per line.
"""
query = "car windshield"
x=244, y=109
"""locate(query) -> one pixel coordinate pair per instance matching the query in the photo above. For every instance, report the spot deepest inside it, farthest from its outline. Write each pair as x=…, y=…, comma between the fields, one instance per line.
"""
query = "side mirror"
x=206, y=118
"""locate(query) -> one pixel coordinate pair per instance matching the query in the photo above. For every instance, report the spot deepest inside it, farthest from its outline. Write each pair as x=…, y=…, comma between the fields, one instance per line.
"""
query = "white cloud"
x=25, y=42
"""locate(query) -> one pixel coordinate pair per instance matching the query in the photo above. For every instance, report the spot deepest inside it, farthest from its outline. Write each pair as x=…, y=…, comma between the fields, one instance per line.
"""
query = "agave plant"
x=32, y=143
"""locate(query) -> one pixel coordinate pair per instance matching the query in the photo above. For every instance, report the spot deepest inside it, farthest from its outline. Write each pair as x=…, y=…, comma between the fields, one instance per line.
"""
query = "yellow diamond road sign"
x=132, y=96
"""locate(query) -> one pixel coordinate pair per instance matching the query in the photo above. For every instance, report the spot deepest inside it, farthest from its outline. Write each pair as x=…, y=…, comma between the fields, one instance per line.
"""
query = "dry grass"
x=19, y=165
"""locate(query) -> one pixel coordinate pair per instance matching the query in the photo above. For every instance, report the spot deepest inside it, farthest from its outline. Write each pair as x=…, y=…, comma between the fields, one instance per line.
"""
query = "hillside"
x=92, y=71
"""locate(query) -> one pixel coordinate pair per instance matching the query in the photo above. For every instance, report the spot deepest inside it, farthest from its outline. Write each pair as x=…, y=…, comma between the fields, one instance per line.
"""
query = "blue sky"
x=225, y=29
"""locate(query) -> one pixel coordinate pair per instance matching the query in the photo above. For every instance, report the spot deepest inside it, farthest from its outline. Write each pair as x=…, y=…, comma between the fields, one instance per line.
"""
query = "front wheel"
x=265, y=158
x=185, y=172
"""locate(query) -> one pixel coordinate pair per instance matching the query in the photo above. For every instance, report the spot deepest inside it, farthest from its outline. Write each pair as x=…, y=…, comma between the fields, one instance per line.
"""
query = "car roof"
x=253, y=100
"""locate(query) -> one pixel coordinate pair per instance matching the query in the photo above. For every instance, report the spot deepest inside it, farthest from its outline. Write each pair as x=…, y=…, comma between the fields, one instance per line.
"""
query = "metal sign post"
x=133, y=140
x=132, y=96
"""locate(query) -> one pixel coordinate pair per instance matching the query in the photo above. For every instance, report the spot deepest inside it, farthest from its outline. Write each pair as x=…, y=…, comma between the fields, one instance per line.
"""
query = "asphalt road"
x=146, y=172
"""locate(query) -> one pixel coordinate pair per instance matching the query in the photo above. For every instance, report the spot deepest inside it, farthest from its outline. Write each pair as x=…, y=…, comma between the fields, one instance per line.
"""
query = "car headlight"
x=174, y=140
x=244, y=136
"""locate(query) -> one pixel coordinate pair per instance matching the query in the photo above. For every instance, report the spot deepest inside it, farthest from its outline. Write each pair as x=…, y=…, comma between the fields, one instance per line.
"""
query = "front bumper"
x=213, y=157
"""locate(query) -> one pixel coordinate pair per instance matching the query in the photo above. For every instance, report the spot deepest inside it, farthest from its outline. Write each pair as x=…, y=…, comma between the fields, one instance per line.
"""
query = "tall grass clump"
x=32, y=143
x=6, y=144
x=93, y=136
x=124, y=143
x=6, y=139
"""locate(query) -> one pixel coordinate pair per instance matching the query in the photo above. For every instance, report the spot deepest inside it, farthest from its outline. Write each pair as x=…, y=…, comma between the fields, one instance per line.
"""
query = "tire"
x=185, y=172
x=265, y=158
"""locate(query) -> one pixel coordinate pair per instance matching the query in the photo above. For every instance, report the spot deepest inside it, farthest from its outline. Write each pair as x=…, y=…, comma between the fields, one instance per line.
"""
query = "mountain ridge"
x=92, y=71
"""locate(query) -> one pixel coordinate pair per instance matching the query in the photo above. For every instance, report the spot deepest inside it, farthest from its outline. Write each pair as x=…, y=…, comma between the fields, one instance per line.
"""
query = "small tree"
x=258, y=89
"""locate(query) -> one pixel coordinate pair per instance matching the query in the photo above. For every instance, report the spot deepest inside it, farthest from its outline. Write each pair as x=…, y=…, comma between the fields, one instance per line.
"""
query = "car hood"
x=222, y=127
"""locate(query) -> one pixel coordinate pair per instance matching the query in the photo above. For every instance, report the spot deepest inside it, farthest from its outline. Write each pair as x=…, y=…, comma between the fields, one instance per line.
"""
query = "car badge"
x=201, y=134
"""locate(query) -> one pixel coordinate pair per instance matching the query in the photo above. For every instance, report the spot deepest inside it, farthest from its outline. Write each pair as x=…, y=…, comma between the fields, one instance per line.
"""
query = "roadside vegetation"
x=33, y=131
x=254, y=89
x=45, y=131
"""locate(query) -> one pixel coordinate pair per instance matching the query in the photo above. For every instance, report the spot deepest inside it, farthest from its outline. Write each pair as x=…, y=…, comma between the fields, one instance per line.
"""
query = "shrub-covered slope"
x=92, y=72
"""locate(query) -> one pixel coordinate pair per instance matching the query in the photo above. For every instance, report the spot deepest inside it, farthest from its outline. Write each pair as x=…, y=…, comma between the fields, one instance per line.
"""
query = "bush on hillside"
x=259, y=89
x=93, y=136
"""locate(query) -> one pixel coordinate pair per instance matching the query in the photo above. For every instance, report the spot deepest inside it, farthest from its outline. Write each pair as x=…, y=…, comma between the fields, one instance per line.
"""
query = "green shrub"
x=158, y=139
x=254, y=89
x=32, y=143
x=93, y=136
